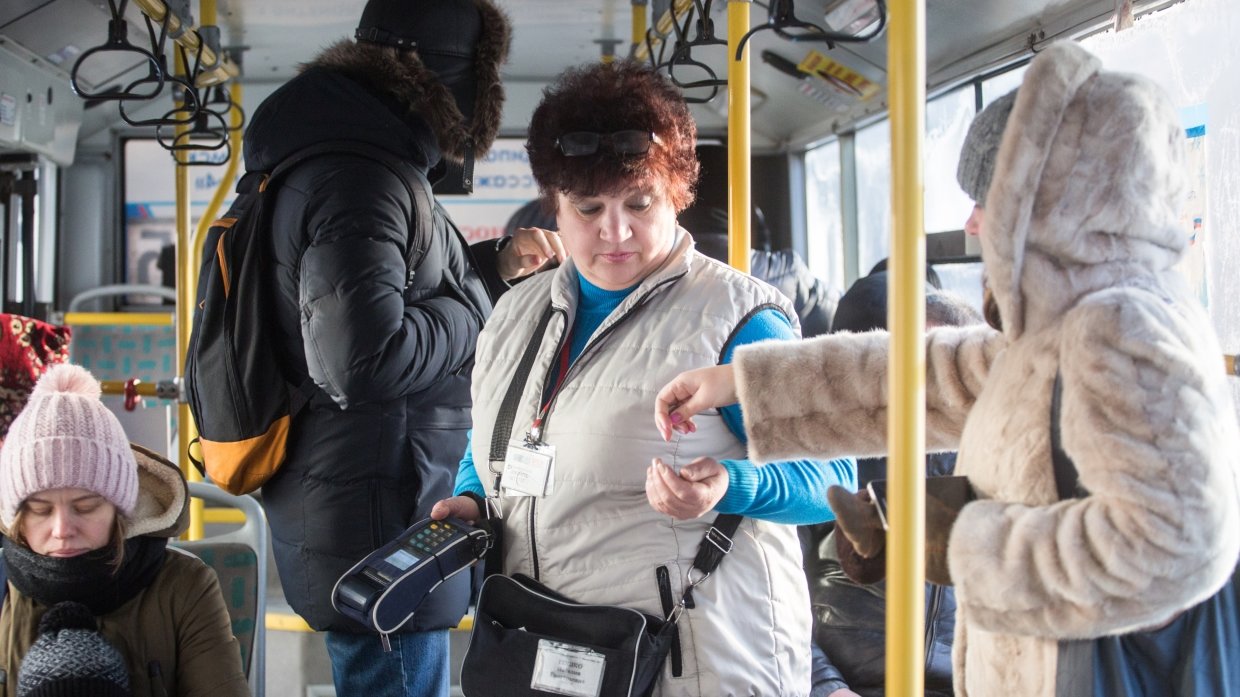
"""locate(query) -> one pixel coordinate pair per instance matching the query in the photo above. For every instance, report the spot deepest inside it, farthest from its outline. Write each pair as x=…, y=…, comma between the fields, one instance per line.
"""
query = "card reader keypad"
x=430, y=537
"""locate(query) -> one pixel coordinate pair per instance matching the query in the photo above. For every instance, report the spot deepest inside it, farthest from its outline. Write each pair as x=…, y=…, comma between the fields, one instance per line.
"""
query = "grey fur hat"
x=981, y=146
x=71, y=658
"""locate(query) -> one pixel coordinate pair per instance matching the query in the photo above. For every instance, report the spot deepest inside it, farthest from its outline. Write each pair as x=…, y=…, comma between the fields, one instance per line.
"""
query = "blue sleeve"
x=793, y=491
x=466, y=476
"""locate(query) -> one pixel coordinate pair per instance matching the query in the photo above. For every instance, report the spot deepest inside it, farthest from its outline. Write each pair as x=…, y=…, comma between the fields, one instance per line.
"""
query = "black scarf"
x=87, y=578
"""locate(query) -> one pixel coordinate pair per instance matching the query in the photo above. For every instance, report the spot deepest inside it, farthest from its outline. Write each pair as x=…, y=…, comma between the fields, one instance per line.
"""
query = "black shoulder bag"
x=1196, y=654
x=529, y=640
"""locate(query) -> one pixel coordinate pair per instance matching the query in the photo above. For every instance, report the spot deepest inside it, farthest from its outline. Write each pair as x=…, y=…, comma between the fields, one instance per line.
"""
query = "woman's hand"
x=689, y=494
x=690, y=393
x=461, y=507
x=531, y=248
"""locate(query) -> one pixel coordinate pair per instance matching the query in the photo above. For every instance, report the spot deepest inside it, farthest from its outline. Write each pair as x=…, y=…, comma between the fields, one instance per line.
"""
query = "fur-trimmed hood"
x=402, y=76
x=1086, y=188
x=163, y=498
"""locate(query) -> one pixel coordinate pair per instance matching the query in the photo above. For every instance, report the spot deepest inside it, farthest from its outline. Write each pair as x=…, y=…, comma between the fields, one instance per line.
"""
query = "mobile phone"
x=878, y=494
x=952, y=490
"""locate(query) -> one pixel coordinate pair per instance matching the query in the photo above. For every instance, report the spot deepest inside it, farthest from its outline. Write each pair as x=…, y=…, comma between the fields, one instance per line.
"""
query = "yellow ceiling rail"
x=663, y=26
x=906, y=389
x=224, y=71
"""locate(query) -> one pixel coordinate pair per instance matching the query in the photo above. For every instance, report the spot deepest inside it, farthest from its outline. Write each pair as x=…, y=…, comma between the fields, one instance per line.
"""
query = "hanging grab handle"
x=118, y=42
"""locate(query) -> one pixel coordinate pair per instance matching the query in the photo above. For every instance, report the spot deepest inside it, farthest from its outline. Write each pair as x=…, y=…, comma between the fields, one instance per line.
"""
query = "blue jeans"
x=416, y=667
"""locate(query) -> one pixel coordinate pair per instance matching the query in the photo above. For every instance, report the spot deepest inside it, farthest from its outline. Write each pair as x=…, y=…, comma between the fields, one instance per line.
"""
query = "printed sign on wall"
x=502, y=184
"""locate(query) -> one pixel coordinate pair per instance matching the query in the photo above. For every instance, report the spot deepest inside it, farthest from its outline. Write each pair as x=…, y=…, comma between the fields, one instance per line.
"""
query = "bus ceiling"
x=802, y=91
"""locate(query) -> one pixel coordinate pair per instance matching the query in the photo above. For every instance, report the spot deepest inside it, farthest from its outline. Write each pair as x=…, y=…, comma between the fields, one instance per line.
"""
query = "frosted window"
x=947, y=122
x=873, y=194
x=824, y=244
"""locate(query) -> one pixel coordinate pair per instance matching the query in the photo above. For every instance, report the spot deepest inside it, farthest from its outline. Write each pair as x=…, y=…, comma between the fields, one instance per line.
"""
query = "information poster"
x=502, y=184
x=1193, y=216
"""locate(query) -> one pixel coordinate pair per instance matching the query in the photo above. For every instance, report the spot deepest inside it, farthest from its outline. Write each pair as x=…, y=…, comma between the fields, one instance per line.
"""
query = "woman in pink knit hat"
x=87, y=518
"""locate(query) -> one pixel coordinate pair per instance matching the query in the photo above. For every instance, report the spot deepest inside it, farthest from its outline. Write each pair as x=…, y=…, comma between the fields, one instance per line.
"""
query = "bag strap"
x=4, y=579
x=1074, y=666
x=1067, y=479
x=414, y=180
x=508, y=407
x=716, y=544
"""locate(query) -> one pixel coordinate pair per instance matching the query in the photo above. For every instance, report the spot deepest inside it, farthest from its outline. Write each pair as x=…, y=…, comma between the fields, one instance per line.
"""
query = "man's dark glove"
x=863, y=541
x=860, y=539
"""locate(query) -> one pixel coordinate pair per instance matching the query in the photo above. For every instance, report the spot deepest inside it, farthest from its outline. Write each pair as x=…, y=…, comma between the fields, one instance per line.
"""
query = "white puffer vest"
x=595, y=538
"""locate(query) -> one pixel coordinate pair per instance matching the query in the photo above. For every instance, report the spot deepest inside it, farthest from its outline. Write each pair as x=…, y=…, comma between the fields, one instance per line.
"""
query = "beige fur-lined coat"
x=1080, y=236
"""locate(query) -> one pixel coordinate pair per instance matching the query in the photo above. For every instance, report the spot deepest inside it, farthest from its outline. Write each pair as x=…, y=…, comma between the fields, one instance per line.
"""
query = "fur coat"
x=1081, y=232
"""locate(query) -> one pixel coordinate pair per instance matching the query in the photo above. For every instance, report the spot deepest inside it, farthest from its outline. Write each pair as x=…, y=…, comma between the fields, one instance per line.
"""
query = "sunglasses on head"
x=581, y=143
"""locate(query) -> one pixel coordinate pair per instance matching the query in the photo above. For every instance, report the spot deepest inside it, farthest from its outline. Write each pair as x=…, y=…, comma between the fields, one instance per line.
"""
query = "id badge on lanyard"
x=529, y=468
x=529, y=463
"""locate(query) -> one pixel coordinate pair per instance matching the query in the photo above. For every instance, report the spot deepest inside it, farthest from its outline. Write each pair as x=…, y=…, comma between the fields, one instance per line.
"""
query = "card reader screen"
x=401, y=559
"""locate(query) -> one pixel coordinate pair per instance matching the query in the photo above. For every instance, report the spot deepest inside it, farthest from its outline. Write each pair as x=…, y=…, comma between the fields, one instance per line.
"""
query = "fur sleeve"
x=827, y=397
x=1148, y=421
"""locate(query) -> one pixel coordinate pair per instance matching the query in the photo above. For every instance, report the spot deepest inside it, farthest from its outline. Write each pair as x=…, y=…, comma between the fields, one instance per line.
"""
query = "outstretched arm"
x=827, y=397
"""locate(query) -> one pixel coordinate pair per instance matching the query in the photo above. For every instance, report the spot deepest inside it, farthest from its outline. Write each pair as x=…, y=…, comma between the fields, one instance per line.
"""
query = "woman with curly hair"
x=617, y=515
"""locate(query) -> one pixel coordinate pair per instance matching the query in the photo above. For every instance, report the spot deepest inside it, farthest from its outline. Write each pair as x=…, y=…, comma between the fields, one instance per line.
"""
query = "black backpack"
x=237, y=391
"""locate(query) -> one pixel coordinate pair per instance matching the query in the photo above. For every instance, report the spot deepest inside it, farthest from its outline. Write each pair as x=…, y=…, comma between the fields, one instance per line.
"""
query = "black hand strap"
x=1067, y=479
x=508, y=408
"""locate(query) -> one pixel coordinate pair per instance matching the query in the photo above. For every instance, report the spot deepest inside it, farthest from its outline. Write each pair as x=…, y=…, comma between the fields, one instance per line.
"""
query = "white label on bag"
x=565, y=669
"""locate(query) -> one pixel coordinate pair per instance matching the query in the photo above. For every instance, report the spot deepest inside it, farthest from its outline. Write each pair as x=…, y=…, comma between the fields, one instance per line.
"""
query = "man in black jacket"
x=387, y=347
x=849, y=617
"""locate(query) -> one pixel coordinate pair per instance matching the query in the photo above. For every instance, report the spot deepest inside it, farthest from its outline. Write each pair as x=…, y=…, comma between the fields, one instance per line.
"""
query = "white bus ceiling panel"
x=38, y=111
x=62, y=30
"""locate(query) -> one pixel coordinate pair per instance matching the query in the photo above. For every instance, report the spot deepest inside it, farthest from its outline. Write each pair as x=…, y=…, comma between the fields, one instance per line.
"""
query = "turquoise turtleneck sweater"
x=793, y=491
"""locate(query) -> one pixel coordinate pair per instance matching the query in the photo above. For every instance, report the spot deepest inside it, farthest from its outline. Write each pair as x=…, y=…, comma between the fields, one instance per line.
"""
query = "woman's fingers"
x=691, y=493
x=691, y=393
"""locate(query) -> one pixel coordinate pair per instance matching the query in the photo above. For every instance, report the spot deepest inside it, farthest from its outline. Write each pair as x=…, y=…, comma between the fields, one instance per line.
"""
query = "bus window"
x=1001, y=84
x=873, y=193
x=947, y=121
x=824, y=244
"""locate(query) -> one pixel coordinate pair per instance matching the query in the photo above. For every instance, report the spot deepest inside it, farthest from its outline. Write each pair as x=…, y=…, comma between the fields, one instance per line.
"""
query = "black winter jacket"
x=850, y=618
x=388, y=349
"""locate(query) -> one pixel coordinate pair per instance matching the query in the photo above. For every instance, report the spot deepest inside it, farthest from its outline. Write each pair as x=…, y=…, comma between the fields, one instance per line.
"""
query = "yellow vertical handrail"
x=906, y=312
x=640, y=21
x=185, y=309
x=739, y=195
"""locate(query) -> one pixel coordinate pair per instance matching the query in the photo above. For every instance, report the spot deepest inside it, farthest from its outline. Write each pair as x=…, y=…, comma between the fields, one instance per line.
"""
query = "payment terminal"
x=383, y=590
